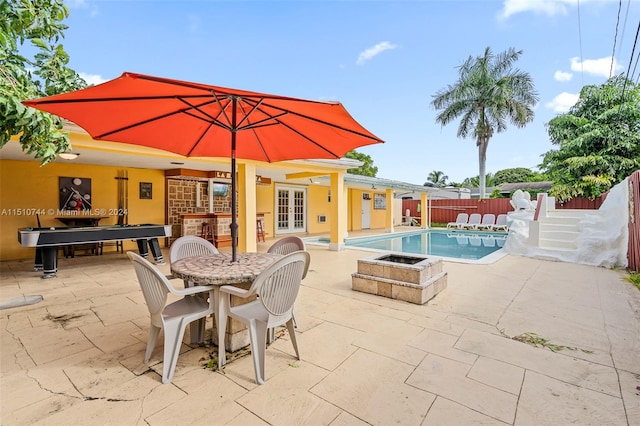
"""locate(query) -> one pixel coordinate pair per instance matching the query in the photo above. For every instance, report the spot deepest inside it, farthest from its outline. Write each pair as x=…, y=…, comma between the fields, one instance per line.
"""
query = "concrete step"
x=558, y=234
x=560, y=220
x=557, y=244
x=555, y=226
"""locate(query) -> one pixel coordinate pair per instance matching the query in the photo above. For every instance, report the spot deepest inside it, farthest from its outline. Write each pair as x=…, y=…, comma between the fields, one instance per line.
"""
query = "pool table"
x=47, y=240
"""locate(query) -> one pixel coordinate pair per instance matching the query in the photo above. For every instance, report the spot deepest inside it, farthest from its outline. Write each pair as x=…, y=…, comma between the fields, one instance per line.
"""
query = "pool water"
x=468, y=245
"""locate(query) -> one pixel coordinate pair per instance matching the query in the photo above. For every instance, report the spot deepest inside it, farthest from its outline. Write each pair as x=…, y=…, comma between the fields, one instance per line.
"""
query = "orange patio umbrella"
x=200, y=120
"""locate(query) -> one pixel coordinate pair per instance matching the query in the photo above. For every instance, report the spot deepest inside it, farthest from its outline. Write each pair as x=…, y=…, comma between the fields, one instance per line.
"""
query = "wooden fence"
x=445, y=211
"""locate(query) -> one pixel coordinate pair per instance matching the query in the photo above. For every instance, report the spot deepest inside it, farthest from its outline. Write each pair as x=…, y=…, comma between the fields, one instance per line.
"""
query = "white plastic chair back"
x=287, y=245
x=278, y=286
x=501, y=223
x=461, y=220
x=474, y=219
x=152, y=283
x=488, y=219
x=190, y=245
x=172, y=318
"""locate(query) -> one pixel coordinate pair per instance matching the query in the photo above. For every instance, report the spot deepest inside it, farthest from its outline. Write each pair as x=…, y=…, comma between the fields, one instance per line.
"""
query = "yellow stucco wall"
x=378, y=217
x=355, y=211
x=27, y=188
x=318, y=204
x=264, y=204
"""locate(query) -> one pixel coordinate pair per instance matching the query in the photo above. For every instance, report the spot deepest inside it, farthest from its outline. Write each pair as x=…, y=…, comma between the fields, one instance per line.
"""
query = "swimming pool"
x=456, y=245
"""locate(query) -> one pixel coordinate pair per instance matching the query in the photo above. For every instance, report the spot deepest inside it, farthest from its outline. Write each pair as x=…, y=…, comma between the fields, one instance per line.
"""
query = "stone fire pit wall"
x=412, y=278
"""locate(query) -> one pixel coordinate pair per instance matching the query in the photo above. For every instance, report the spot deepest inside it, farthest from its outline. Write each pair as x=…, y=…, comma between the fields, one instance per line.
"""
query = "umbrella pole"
x=234, y=206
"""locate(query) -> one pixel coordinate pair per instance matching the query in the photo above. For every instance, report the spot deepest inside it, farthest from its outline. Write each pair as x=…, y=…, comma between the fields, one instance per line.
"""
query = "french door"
x=291, y=209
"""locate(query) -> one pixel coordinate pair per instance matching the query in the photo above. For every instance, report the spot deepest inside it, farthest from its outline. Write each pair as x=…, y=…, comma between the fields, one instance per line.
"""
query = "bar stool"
x=259, y=230
x=207, y=232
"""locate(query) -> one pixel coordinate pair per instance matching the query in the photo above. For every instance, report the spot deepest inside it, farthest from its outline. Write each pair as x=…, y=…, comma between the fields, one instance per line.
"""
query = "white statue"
x=521, y=200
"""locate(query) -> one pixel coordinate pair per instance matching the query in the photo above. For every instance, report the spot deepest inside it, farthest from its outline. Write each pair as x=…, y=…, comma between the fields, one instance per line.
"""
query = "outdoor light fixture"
x=68, y=155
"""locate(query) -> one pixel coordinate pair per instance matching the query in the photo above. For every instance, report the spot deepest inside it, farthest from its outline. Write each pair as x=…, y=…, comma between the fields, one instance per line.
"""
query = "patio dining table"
x=219, y=270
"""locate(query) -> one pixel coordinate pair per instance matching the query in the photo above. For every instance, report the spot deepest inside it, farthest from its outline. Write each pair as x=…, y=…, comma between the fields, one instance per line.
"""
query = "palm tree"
x=437, y=178
x=489, y=91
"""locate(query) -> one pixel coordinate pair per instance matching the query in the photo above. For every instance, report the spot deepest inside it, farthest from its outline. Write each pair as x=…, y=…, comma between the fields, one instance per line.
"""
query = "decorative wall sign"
x=146, y=190
x=75, y=193
x=379, y=201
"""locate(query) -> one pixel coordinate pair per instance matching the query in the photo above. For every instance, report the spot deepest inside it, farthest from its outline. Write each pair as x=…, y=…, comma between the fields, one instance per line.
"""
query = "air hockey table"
x=48, y=240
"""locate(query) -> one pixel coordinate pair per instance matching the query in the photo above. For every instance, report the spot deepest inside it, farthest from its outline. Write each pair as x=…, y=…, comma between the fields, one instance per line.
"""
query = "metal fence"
x=633, y=252
x=445, y=211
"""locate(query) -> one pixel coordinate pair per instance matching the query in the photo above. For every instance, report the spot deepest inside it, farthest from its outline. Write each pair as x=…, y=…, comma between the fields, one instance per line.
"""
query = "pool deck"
x=76, y=357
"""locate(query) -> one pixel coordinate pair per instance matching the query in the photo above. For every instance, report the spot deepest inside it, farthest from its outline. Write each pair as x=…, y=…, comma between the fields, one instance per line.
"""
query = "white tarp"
x=602, y=241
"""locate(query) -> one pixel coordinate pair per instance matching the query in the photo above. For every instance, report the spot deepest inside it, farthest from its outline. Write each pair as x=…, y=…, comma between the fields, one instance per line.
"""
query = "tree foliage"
x=33, y=25
x=367, y=169
x=474, y=182
x=598, y=139
x=515, y=175
x=436, y=178
x=489, y=93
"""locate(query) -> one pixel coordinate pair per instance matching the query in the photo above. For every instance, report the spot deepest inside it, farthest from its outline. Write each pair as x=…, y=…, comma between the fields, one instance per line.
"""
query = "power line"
x=615, y=37
x=635, y=41
x=580, y=40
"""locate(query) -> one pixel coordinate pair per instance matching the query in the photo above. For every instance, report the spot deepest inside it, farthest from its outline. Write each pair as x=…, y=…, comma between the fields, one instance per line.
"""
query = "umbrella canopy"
x=199, y=120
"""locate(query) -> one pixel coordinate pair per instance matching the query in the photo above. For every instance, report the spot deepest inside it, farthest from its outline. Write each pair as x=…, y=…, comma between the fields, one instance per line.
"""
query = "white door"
x=291, y=209
x=366, y=211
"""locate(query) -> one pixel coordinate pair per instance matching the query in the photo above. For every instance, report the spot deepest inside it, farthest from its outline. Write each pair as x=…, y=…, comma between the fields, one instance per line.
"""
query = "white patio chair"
x=287, y=245
x=172, y=318
x=474, y=221
x=277, y=288
x=488, y=220
x=461, y=220
x=188, y=246
x=501, y=223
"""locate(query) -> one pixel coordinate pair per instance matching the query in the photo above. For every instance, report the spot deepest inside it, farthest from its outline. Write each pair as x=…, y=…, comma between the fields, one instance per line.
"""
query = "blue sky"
x=384, y=60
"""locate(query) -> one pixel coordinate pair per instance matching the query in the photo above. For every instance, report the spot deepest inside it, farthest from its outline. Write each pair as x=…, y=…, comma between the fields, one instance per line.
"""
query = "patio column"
x=247, y=208
x=338, y=211
x=424, y=214
x=388, y=220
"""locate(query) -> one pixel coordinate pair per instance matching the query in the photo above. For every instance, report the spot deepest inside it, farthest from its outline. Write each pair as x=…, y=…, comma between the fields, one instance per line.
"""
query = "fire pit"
x=408, y=277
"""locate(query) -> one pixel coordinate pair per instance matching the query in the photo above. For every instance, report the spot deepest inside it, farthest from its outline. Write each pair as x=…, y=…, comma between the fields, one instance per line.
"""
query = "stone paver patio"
x=76, y=357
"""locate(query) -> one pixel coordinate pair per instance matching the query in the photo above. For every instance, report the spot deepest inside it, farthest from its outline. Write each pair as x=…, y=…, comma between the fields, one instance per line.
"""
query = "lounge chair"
x=501, y=223
x=488, y=220
x=474, y=221
x=460, y=221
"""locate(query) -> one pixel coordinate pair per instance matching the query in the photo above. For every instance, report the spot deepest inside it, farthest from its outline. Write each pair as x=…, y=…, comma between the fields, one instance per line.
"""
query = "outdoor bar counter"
x=191, y=224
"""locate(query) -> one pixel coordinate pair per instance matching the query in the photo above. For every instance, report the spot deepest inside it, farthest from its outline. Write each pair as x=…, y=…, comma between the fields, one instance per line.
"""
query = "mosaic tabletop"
x=218, y=269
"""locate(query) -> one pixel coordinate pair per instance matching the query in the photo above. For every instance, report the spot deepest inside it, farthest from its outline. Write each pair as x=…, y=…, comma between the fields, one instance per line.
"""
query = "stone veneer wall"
x=181, y=199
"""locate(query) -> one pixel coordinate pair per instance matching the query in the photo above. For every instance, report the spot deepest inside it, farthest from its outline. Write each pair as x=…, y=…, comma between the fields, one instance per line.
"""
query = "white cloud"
x=563, y=102
x=600, y=67
x=562, y=76
x=546, y=7
x=83, y=4
x=371, y=52
x=92, y=79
